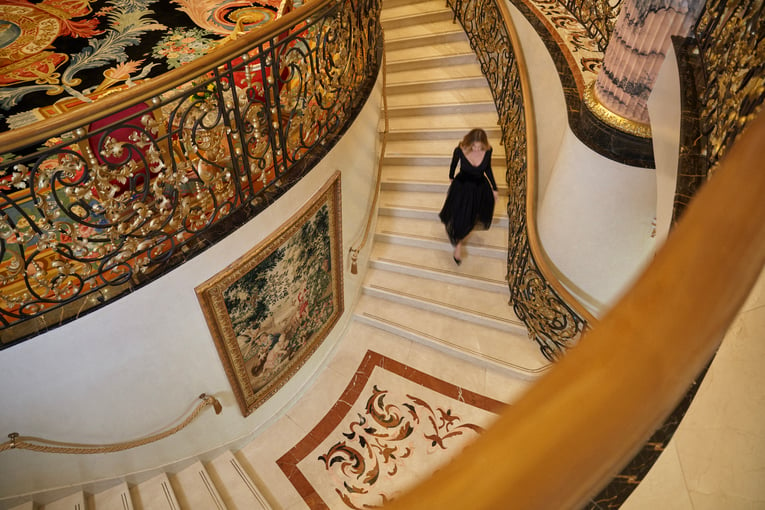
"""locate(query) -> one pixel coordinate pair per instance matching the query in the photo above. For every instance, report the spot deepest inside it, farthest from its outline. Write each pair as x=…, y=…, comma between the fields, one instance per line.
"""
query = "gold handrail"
x=359, y=245
x=584, y=420
x=39, y=444
x=151, y=88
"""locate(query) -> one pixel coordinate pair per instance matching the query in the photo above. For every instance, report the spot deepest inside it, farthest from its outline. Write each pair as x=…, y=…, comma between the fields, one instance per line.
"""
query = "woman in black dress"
x=472, y=193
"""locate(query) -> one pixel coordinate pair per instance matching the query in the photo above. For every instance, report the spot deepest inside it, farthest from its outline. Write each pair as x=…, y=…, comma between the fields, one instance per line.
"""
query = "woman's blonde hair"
x=473, y=136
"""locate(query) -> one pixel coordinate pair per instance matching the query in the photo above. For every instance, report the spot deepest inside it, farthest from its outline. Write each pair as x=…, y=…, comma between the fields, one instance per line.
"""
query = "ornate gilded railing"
x=545, y=307
x=598, y=17
x=100, y=200
x=723, y=68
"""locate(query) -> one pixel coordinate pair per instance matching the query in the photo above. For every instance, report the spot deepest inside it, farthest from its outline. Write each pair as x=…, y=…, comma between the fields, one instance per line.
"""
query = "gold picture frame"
x=270, y=309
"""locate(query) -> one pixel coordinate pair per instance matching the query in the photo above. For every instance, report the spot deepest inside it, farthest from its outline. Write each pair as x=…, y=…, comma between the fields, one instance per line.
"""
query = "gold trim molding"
x=614, y=120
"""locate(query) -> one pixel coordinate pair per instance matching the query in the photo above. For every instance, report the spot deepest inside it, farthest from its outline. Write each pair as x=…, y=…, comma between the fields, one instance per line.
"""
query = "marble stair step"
x=431, y=214
x=431, y=62
x=432, y=231
x=157, y=493
x=423, y=178
x=430, y=202
x=415, y=14
x=423, y=34
x=234, y=484
x=393, y=10
x=392, y=4
x=420, y=53
x=427, y=147
x=195, y=489
x=453, y=97
x=114, y=498
x=476, y=271
x=75, y=501
x=424, y=75
x=464, y=121
x=443, y=109
x=27, y=505
x=513, y=352
x=480, y=306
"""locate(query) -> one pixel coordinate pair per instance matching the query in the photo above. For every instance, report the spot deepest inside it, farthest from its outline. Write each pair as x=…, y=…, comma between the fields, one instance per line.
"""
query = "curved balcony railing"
x=554, y=318
x=102, y=199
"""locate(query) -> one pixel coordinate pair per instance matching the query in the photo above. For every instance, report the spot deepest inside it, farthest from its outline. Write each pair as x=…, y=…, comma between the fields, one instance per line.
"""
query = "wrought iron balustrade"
x=107, y=197
x=536, y=299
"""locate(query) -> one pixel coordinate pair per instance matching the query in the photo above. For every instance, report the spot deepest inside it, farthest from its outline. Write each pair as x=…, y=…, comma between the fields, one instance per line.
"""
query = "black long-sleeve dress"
x=469, y=202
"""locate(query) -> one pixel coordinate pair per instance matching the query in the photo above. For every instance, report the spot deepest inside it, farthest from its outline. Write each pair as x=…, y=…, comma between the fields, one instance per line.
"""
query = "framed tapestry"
x=271, y=308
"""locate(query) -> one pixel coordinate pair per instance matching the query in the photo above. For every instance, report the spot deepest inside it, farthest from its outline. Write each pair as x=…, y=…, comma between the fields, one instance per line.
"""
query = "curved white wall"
x=137, y=365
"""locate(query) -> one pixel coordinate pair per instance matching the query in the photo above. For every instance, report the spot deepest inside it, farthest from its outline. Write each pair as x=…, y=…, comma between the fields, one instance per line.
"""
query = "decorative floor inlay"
x=392, y=426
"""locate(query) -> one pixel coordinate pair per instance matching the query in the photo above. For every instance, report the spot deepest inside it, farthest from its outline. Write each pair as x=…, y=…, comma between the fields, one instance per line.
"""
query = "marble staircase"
x=412, y=288
x=436, y=93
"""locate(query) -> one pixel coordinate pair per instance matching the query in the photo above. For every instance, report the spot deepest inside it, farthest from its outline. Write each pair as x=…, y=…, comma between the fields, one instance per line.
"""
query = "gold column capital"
x=611, y=118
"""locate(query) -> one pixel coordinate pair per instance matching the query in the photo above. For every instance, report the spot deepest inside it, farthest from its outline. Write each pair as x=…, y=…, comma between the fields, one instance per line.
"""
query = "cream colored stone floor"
x=716, y=459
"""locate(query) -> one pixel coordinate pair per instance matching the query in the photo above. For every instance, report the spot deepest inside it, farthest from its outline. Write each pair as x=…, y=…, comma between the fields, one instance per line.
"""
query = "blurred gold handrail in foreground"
x=38, y=444
x=585, y=419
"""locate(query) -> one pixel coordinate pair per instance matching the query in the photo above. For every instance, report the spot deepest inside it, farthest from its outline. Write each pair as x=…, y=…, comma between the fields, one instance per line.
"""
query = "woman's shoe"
x=456, y=260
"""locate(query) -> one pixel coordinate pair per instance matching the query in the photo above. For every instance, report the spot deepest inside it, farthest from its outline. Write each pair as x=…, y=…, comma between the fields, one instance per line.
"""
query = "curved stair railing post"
x=554, y=318
x=100, y=200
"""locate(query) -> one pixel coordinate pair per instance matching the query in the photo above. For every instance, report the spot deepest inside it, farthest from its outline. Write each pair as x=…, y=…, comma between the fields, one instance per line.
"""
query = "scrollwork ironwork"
x=112, y=204
x=550, y=321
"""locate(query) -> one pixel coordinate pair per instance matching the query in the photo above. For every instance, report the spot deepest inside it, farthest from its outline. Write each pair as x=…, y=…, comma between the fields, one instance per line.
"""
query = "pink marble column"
x=635, y=52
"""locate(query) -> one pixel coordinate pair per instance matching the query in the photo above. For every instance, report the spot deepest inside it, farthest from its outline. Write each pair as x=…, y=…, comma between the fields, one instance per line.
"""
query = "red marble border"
x=289, y=461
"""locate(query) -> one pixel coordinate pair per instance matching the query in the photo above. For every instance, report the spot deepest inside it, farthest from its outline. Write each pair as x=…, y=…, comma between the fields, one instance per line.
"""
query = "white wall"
x=547, y=98
x=665, y=111
x=134, y=367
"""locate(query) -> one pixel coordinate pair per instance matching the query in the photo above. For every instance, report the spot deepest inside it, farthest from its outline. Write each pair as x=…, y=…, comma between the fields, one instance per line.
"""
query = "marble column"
x=635, y=52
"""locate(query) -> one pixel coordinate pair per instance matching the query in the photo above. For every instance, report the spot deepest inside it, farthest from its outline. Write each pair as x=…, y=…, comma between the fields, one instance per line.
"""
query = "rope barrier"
x=37, y=444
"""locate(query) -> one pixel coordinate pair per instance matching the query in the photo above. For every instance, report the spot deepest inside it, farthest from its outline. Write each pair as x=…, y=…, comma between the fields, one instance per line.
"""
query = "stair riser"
x=426, y=63
x=431, y=86
x=394, y=44
x=452, y=350
x=417, y=19
x=491, y=286
x=433, y=134
x=465, y=315
x=440, y=245
x=441, y=109
x=424, y=160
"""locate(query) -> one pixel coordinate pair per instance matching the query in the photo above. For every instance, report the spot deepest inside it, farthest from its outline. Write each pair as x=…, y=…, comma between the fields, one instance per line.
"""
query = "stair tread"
x=412, y=9
x=72, y=501
x=194, y=488
x=494, y=238
x=114, y=498
x=234, y=485
x=465, y=120
x=396, y=177
x=154, y=494
x=435, y=147
x=452, y=72
x=442, y=49
x=427, y=201
x=435, y=28
x=491, y=304
x=514, y=351
x=487, y=272
x=442, y=97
